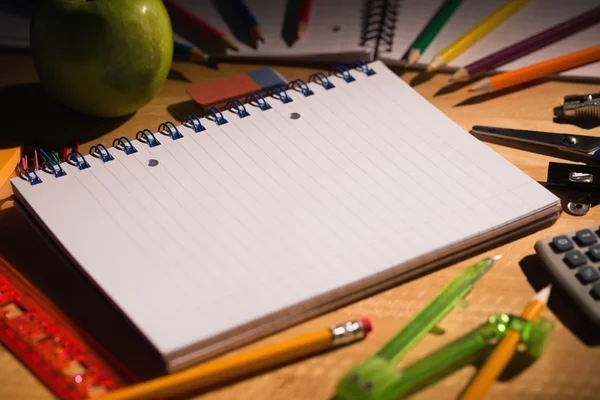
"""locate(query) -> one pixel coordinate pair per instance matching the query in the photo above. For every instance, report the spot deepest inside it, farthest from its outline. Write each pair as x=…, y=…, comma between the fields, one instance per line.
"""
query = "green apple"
x=102, y=58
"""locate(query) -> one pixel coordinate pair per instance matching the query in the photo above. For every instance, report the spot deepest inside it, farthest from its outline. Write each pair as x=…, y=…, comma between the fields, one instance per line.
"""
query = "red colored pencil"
x=195, y=25
x=303, y=17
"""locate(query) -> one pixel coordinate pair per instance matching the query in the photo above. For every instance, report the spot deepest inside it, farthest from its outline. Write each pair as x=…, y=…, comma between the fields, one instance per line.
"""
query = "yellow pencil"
x=502, y=354
x=477, y=32
x=229, y=368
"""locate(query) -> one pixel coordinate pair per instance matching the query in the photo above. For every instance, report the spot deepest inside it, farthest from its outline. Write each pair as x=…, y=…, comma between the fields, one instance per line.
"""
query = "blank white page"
x=534, y=17
x=269, y=217
x=334, y=28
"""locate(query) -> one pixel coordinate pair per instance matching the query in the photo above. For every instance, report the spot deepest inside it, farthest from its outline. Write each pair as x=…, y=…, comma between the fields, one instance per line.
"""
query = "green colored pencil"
x=431, y=30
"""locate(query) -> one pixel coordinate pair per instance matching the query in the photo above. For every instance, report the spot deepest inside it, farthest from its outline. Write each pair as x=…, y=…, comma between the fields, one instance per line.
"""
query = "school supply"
x=427, y=319
x=529, y=45
x=246, y=15
x=238, y=86
x=9, y=158
x=386, y=381
x=475, y=33
x=49, y=344
x=183, y=51
x=431, y=30
x=233, y=367
x=583, y=145
x=303, y=17
x=580, y=107
x=536, y=71
x=271, y=212
x=504, y=351
x=195, y=29
x=572, y=259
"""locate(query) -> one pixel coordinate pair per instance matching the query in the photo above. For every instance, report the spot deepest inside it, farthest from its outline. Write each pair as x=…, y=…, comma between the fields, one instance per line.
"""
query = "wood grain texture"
x=569, y=368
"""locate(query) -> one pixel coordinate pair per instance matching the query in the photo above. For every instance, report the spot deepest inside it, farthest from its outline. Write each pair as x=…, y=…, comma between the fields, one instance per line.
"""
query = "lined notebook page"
x=333, y=29
x=268, y=212
x=534, y=17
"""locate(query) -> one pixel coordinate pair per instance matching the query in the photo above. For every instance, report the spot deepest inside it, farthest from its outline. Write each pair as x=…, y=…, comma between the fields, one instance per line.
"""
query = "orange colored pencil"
x=539, y=70
x=502, y=354
x=229, y=368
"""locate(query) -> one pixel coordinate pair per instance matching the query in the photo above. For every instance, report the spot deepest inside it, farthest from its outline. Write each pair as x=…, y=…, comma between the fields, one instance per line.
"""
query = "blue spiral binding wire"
x=322, y=79
x=127, y=148
x=73, y=156
x=257, y=97
x=364, y=68
x=240, y=109
x=194, y=121
x=302, y=86
x=344, y=71
x=97, y=149
x=148, y=137
x=219, y=119
x=57, y=170
x=280, y=93
x=27, y=174
x=171, y=129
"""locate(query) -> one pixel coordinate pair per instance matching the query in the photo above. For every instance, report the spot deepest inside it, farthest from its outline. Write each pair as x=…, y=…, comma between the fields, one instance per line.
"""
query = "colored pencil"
x=477, y=32
x=303, y=16
x=249, y=19
x=431, y=30
x=195, y=26
x=234, y=367
x=189, y=53
x=504, y=351
x=539, y=70
x=527, y=46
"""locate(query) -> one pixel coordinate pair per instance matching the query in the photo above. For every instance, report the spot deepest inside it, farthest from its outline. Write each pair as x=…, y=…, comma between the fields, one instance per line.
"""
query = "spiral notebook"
x=220, y=230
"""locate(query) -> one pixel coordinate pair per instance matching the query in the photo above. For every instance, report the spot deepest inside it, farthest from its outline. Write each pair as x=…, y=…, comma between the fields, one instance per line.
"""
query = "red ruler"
x=48, y=343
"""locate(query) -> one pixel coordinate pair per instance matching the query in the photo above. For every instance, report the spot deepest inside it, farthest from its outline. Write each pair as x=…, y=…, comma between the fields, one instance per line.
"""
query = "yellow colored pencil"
x=477, y=32
x=229, y=368
x=503, y=353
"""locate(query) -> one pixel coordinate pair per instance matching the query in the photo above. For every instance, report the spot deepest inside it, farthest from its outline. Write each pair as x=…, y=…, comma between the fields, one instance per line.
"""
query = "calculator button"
x=595, y=292
x=594, y=252
x=588, y=275
x=562, y=243
x=574, y=259
x=585, y=237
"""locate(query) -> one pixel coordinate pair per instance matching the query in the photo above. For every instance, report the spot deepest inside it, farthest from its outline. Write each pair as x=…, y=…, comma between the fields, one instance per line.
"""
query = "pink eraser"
x=366, y=324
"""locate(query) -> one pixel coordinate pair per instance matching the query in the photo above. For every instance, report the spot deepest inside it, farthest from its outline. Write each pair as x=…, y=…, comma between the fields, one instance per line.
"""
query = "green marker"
x=430, y=31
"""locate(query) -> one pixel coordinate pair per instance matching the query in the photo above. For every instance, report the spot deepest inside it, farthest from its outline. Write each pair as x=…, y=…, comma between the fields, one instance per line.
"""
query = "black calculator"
x=573, y=260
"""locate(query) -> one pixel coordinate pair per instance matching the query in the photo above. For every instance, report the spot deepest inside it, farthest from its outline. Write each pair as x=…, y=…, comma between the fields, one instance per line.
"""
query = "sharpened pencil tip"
x=413, y=56
x=543, y=295
x=484, y=85
x=497, y=257
x=436, y=64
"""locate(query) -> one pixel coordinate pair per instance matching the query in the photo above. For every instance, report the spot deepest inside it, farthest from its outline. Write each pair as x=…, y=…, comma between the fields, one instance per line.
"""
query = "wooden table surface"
x=568, y=370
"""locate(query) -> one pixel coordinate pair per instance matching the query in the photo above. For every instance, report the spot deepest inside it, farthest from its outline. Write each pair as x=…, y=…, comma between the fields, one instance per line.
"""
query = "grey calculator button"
x=574, y=259
x=595, y=292
x=588, y=275
x=562, y=243
x=585, y=237
x=594, y=252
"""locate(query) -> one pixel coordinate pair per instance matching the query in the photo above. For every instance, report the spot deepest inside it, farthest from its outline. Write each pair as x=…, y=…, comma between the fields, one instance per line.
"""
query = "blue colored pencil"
x=249, y=19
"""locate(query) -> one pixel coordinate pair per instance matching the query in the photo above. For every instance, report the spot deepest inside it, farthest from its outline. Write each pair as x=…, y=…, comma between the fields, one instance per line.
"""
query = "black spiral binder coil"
x=217, y=116
x=193, y=121
x=364, y=68
x=342, y=71
x=240, y=109
x=322, y=80
x=169, y=128
x=30, y=175
x=97, y=151
x=301, y=86
x=146, y=136
x=379, y=19
x=259, y=100
x=50, y=165
x=124, y=144
x=280, y=93
x=73, y=159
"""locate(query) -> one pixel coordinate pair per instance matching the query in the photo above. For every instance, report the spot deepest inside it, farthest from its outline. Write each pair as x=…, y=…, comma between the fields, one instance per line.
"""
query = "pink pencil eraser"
x=366, y=324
